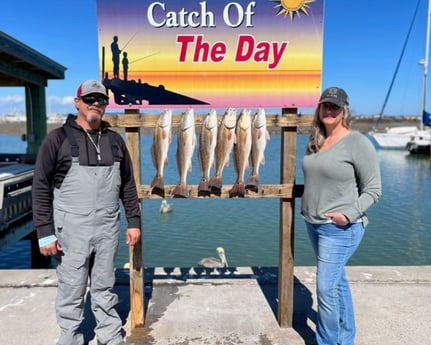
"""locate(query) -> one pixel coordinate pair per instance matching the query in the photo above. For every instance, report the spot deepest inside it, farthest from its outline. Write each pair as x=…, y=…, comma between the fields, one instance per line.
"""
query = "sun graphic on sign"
x=292, y=8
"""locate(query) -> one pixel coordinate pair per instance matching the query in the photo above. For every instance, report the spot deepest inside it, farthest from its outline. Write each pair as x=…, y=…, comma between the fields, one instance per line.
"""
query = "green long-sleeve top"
x=345, y=178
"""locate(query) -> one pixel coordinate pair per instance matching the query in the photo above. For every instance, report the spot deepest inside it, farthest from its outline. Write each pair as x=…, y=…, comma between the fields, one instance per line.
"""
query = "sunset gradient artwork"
x=263, y=53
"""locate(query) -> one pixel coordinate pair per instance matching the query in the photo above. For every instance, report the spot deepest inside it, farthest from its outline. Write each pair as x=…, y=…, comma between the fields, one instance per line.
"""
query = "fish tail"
x=158, y=186
x=204, y=188
x=180, y=191
x=252, y=183
x=237, y=190
x=216, y=185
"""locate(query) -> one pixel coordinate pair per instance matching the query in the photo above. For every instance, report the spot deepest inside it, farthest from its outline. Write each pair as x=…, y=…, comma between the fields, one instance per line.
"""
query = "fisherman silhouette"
x=115, y=56
x=125, y=63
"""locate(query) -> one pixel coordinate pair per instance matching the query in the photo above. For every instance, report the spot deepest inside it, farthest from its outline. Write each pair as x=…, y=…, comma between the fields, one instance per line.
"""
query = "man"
x=115, y=50
x=82, y=171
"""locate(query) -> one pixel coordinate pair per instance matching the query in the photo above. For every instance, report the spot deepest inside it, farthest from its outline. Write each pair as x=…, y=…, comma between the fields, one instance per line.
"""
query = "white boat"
x=394, y=137
x=420, y=142
x=406, y=137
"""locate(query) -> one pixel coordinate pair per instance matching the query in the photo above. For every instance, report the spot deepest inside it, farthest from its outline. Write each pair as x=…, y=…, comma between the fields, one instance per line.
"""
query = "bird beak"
x=223, y=260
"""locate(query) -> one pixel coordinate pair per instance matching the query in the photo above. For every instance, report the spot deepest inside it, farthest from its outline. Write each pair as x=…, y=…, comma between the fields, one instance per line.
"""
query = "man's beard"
x=93, y=118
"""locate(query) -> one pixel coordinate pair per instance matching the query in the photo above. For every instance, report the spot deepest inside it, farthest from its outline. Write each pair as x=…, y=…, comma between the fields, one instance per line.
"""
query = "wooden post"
x=36, y=117
x=137, y=293
x=287, y=222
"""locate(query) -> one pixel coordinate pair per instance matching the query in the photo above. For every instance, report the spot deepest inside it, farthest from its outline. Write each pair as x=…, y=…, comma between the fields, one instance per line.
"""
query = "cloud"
x=14, y=99
x=56, y=100
x=54, y=104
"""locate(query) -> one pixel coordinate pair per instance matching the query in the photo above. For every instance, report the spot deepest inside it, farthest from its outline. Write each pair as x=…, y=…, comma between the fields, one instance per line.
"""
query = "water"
x=398, y=233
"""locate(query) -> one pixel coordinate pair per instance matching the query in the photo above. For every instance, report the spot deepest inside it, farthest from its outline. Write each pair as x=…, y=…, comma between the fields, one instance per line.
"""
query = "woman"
x=341, y=181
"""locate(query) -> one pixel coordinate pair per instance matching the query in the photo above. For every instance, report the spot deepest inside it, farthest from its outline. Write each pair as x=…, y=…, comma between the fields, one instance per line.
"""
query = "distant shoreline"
x=363, y=125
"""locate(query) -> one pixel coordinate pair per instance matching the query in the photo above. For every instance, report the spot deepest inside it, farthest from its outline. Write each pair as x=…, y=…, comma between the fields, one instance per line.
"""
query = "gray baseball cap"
x=334, y=95
x=91, y=86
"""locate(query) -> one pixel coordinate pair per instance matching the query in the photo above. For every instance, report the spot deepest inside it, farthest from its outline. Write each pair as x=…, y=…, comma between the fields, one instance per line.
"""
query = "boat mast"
x=397, y=67
x=425, y=64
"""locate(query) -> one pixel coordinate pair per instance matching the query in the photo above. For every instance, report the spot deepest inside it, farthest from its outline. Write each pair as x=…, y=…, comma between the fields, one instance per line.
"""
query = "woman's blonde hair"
x=318, y=132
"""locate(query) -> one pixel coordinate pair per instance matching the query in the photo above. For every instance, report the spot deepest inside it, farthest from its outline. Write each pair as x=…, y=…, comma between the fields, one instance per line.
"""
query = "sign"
x=211, y=54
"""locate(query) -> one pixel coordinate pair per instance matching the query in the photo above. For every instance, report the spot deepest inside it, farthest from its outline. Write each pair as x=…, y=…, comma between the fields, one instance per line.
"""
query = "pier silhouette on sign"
x=131, y=92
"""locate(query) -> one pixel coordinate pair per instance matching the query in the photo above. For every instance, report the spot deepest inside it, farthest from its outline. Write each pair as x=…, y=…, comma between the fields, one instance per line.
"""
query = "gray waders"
x=87, y=226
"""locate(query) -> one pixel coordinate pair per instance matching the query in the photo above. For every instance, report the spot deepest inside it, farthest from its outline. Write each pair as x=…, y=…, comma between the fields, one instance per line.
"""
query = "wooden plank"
x=149, y=121
x=287, y=220
x=137, y=293
x=265, y=191
x=289, y=123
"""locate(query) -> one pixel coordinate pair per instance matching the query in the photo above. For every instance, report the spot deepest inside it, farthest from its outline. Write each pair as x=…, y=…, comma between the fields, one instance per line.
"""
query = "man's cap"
x=334, y=95
x=92, y=86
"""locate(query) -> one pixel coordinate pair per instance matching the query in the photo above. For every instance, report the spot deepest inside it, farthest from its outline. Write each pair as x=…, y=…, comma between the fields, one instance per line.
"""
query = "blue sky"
x=363, y=40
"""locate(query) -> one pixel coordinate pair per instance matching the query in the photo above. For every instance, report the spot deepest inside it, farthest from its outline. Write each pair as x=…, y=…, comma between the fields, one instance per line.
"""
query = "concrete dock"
x=228, y=307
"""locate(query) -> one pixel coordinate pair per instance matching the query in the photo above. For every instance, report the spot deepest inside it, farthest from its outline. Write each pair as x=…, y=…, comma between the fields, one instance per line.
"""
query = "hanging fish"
x=241, y=150
x=207, y=145
x=162, y=138
x=185, y=150
x=260, y=137
x=224, y=146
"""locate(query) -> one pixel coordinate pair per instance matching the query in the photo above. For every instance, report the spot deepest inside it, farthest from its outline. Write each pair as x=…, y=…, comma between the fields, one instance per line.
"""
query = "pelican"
x=165, y=207
x=213, y=262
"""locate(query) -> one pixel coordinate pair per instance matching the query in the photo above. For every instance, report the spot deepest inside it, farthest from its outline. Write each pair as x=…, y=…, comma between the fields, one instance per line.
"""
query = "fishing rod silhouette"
x=144, y=57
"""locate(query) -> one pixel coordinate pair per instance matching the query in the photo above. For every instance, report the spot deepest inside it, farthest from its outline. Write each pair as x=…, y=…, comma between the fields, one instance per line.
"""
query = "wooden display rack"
x=289, y=123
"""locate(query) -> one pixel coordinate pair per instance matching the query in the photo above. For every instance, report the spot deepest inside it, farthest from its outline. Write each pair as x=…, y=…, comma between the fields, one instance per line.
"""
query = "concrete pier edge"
x=232, y=306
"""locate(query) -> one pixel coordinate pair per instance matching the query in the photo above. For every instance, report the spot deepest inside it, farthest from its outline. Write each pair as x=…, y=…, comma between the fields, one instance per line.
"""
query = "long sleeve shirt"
x=345, y=178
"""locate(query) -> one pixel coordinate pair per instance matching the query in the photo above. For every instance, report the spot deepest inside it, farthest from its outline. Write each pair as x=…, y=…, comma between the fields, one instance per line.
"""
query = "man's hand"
x=133, y=235
x=51, y=249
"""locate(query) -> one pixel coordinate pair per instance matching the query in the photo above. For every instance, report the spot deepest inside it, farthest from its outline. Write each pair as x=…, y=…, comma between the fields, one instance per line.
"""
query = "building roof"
x=21, y=64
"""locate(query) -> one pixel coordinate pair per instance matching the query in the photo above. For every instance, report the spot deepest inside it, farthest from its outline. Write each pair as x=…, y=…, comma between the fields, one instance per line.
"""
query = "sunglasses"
x=92, y=99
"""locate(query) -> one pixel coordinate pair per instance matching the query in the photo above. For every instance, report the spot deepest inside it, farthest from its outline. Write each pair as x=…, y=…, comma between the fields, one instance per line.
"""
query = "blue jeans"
x=333, y=246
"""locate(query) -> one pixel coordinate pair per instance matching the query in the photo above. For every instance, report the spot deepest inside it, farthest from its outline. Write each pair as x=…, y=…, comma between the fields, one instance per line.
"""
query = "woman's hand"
x=338, y=218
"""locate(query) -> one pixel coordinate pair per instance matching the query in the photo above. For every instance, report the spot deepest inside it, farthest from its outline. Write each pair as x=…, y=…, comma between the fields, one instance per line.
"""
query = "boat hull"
x=420, y=143
x=394, y=138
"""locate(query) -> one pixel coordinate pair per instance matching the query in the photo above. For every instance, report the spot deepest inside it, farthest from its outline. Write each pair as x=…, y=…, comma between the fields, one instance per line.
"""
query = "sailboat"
x=413, y=138
x=420, y=142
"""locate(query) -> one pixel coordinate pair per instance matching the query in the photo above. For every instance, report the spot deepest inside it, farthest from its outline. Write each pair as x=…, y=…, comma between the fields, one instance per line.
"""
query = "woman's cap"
x=334, y=95
x=91, y=86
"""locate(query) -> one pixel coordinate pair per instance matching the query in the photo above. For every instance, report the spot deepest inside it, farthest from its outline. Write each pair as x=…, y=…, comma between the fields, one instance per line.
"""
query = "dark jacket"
x=54, y=160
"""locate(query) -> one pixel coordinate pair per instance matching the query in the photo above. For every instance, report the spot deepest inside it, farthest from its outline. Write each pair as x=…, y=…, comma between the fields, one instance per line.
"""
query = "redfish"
x=162, y=138
x=207, y=145
x=260, y=137
x=185, y=150
x=242, y=149
x=224, y=146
